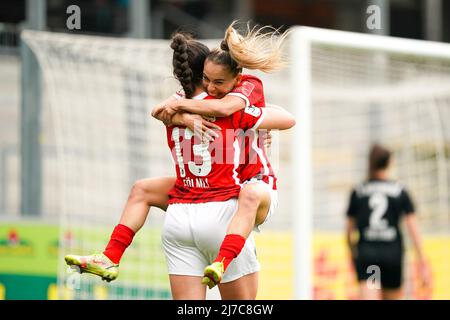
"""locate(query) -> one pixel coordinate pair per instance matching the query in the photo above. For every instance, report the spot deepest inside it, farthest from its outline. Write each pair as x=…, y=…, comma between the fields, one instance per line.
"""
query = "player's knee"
x=250, y=196
x=138, y=191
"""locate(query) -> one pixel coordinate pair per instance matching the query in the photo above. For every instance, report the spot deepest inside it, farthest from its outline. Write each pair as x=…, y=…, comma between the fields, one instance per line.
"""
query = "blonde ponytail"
x=256, y=50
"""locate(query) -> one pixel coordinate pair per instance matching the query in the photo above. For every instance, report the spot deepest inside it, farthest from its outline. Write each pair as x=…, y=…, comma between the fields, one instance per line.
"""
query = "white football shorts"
x=192, y=235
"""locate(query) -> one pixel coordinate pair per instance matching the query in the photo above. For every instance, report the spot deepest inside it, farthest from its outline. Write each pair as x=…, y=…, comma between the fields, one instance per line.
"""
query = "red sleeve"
x=251, y=90
x=248, y=118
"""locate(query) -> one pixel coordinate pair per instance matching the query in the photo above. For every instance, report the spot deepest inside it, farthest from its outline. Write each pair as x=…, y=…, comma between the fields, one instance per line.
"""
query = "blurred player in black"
x=375, y=210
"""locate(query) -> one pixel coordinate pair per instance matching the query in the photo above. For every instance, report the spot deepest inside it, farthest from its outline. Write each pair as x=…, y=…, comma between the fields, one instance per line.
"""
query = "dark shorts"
x=385, y=258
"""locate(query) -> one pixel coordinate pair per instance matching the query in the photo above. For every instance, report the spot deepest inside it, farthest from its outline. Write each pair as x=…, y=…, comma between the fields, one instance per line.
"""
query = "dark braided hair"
x=188, y=59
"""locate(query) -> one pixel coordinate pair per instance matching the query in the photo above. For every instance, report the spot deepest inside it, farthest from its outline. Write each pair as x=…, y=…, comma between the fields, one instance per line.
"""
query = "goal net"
x=346, y=90
x=352, y=90
x=98, y=93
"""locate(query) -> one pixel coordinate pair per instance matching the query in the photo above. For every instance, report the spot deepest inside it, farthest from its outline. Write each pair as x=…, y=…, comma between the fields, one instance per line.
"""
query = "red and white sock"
x=231, y=246
x=121, y=238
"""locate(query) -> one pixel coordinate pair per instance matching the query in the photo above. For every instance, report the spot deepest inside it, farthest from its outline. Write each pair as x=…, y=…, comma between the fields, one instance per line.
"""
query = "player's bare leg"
x=253, y=207
x=392, y=294
x=244, y=288
x=187, y=287
x=144, y=194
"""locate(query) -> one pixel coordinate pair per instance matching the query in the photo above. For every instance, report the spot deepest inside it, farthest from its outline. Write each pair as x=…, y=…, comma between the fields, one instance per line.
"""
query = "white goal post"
x=304, y=40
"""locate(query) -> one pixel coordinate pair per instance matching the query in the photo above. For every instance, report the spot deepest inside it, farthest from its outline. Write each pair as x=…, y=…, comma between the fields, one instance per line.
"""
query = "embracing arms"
x=275, y=117
x=194, y=122
x=208, y=107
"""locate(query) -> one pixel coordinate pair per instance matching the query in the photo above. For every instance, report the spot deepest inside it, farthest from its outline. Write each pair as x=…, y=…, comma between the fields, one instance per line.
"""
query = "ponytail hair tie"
x=224, y=46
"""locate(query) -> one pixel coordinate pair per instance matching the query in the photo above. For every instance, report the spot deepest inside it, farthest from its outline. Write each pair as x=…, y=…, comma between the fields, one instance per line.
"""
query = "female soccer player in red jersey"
x=153, y=192
x=223, y=79
x=203, y=200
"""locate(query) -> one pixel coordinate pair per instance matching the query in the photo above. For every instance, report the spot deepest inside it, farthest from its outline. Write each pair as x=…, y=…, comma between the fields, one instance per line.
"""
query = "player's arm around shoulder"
x=275, y=117
x=211, y=107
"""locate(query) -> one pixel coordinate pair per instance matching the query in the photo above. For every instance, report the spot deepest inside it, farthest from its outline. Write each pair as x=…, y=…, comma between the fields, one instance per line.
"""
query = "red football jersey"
x=254, y=162
x=250, y=88
x=207, y=171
